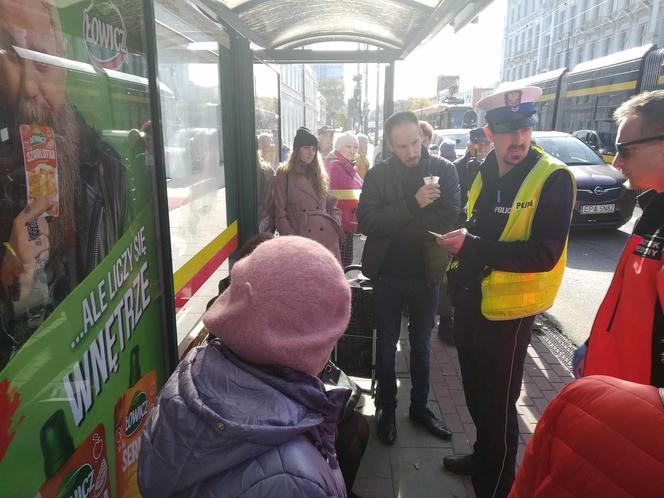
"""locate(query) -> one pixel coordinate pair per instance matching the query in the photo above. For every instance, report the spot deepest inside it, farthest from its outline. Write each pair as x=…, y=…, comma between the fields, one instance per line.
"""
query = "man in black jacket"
x=403, y=198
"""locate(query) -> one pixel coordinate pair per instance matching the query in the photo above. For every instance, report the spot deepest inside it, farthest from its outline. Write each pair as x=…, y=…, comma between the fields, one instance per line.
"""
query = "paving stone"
x=375, y=463
x=458, y=396
x=524, y=400
x=532, y=390
x=447, y=405
x=542, y=383
x=468, y=484
x=464, y=414
x=453, y=422
x=374, y=488
x=461, y=444
x=419, y=473
x=551, y=375
x=541, y=403
x=469, y=429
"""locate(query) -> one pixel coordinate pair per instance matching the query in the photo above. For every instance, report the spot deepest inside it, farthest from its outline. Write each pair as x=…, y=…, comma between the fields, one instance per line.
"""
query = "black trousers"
x=352, y=439
x=491, y=356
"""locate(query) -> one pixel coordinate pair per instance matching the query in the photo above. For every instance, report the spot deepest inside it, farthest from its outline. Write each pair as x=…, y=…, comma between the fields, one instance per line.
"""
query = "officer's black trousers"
x=491, y=356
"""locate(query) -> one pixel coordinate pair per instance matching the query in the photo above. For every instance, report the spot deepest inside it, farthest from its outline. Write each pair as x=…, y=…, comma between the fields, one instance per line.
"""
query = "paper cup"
x=431, y=180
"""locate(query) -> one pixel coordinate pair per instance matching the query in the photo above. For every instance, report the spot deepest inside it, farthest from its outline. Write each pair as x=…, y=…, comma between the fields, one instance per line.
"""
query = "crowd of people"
x=482, y=243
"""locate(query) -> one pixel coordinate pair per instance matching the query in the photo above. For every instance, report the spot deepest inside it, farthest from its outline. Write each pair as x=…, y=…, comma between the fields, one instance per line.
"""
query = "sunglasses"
x=621, y=148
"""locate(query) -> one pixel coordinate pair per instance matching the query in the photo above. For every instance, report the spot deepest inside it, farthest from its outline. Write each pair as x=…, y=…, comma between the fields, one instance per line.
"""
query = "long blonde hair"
x=316, y=174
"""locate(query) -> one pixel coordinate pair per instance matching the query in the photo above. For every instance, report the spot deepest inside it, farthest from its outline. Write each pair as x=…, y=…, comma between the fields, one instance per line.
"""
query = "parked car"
x=602, y=201
x=599, y=142
x=459, y=136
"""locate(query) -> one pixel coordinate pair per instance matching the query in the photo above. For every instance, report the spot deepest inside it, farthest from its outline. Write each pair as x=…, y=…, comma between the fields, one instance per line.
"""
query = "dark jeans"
x=491, y=357
x=390, y=294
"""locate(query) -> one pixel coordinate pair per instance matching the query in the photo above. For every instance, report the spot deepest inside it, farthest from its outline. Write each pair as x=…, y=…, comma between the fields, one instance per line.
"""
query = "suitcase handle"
x=350, y=268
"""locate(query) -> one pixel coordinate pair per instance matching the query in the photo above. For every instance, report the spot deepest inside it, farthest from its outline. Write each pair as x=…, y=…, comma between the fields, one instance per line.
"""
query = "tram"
x=446, y=116
x=582, y=100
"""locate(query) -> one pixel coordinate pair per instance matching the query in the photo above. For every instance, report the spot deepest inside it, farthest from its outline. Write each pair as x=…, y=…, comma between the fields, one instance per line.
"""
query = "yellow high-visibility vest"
x=511, y=295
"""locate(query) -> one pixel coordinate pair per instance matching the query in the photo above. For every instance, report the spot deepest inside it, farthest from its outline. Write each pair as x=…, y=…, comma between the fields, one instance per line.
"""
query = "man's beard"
x=67, y=137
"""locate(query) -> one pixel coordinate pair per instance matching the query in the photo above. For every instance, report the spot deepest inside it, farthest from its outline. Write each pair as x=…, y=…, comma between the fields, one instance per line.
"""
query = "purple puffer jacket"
x=224, y=428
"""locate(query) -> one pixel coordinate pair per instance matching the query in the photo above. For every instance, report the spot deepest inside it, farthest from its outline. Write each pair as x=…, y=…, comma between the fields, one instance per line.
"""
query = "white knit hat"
x=348, y=137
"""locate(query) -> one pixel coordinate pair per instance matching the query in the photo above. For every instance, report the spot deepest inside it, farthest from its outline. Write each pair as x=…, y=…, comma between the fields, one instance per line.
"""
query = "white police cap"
x=511, y=109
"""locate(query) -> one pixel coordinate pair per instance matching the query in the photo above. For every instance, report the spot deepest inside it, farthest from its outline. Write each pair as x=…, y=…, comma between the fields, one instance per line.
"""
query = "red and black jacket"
x=627, y=338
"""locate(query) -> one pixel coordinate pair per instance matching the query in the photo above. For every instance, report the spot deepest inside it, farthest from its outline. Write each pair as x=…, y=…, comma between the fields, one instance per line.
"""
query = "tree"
x=333, y=90
x=419, y=103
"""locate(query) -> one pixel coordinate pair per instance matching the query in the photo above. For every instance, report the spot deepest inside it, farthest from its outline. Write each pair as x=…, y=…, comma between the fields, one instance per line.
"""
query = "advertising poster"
x=82, y=346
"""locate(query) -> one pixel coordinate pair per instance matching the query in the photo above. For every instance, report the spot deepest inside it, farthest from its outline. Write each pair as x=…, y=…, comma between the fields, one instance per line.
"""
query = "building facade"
x=299, y=100
x=543, y=35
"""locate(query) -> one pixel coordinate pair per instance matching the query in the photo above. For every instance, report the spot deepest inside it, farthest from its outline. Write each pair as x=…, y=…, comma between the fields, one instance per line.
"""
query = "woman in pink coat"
x=303, y=204
x=346, y=185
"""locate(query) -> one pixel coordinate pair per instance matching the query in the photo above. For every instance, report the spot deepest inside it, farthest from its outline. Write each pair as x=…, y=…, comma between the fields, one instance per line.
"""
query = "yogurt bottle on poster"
x=73, y=472
x=131, y=412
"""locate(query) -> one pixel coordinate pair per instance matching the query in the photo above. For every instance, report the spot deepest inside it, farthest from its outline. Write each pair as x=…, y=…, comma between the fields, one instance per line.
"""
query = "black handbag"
x=333, y=376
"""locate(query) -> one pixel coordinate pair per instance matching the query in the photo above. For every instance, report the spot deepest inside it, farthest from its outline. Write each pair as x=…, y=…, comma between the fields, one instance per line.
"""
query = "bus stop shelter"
x=291, y=31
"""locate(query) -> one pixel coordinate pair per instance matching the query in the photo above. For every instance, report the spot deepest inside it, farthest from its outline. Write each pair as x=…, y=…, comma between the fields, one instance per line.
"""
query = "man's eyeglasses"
x=622, y=147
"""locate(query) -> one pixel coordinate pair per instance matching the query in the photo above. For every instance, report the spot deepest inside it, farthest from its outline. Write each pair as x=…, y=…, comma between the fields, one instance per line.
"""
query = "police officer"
x=467, y=168
x=509, y=263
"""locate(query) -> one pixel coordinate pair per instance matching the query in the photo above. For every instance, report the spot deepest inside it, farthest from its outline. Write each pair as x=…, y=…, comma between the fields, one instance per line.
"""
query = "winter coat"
x=362, y=165
x=224, y=428
x=600, y=437
x=265, y=196
x=627, y=338
x=298, y=210
x=384, y=212
x=345, y=185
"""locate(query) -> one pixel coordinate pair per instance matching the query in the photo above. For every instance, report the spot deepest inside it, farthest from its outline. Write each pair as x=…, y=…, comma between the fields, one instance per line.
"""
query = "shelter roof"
x=391, y=28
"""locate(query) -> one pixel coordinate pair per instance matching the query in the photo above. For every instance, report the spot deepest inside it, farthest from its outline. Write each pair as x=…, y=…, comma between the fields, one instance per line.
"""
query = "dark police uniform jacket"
x=482, y=251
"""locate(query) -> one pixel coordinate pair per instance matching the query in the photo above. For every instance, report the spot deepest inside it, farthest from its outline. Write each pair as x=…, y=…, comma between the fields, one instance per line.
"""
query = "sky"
x=474, y=53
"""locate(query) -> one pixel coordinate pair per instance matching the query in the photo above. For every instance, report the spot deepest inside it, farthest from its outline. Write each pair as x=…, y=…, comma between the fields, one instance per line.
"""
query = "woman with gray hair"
x=346, y=185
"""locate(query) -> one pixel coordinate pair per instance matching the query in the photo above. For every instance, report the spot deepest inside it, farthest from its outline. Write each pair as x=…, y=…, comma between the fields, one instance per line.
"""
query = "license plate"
x=598, y=209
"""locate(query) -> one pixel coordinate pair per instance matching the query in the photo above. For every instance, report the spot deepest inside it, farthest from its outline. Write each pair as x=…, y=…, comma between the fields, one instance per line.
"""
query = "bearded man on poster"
x=42, y=258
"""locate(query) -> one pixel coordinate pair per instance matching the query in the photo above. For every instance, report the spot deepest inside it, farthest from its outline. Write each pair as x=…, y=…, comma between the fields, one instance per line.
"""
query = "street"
x=591, y=259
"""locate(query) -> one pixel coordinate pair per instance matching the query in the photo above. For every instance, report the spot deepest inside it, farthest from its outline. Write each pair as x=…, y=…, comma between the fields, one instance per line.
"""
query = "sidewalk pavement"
x=413, y=467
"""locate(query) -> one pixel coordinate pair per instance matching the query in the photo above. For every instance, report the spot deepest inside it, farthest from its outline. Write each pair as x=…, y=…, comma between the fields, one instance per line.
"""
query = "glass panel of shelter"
x=194, y=154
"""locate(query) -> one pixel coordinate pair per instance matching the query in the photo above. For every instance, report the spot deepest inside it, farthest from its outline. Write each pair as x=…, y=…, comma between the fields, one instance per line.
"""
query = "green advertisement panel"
x=83, y=348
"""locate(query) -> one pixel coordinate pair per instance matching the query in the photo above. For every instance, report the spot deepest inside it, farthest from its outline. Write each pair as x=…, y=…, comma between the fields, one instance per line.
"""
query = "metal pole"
x=161, y=195
x=376, y=126
x=388, y=101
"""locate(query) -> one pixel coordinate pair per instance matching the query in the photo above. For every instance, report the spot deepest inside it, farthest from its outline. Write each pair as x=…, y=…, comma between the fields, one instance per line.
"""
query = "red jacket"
x=345, y=185
x=601, y=437
x=627, y=338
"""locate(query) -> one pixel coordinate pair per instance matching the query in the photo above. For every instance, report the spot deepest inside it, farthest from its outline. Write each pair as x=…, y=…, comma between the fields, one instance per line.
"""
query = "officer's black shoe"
x=463, y=465
x=427, y=419
x=387, y=427
x=446, y=331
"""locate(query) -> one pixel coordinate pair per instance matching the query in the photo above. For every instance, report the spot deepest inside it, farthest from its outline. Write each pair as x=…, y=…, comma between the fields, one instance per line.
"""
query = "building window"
x=643, y=28
x=607, y=46
x=622, y=44
x=609, y=7
x=592, y=50
x=582, y=12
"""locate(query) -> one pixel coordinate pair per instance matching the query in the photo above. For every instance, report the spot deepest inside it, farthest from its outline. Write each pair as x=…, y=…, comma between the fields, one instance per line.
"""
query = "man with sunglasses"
x=627, y=338
x=509, y=263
